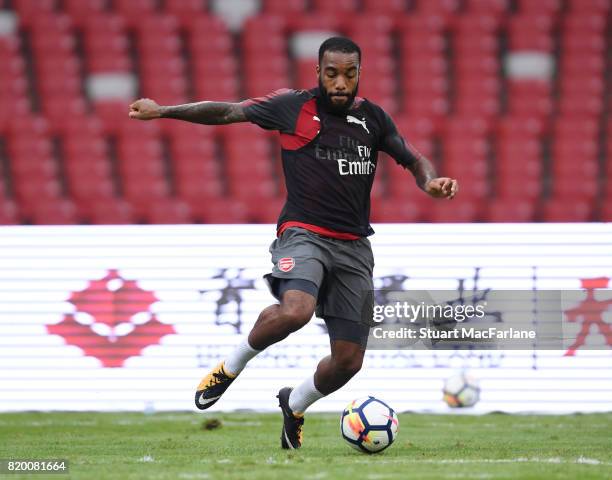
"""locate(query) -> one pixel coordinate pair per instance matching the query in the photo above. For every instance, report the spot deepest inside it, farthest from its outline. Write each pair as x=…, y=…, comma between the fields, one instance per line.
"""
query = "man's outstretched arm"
x=424, y=172
x=207, y=113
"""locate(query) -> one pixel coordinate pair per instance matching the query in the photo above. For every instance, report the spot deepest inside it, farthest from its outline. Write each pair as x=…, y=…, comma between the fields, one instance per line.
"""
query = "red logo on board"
x=286, y=264
x=112, y=321
x=590, y=312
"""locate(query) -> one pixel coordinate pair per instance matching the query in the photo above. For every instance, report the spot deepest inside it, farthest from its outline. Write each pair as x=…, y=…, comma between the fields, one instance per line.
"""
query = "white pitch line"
x=456, y=461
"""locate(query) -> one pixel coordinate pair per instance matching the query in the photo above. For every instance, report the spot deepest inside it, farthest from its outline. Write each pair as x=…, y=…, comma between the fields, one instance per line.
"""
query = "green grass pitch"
x=247, y=446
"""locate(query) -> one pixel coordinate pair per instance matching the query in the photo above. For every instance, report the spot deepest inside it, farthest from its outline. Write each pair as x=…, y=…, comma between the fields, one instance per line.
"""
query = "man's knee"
x=297, y=308
x=348, y=357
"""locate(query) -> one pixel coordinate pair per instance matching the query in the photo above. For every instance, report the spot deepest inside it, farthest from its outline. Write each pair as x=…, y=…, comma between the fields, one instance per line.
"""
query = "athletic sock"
x=237, y=360
x=304, y=395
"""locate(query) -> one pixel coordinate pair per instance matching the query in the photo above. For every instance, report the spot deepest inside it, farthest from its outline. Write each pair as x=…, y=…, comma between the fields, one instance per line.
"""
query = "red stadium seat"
x=570, y=189
x=184, y=9
x=222, y=210
x=583, y=43
x=390, y=7
x=517, y=127
x=605, y=214
x=337, y=7
x=267, y=211
x=81, y=10
x=512, y=172
x=530, y=189
x=439, y=7
x=34, y=167
x=144, y=188
x=58, y=212
x=196, y=190
x=539, y=6
x=476, y=25
x=576, y=86
x=421, y=42
x=592, y=6
x=531, y=31
x=517, y=150
x=27, y=9
x=9, y=212
x=111, y=212
x=576, y=128
x=325, y=21
x=496, y=7
x=285, y=6
x=563, y=210
x=258, y=190
x=484, y=107
x=134, y=11
x=33, y=193
x=583, y=64
x=587, y=24
x=510, y=209
x=414, y=126
x=567, y=149
x=400, y=185
x=395, y=210
x=460, y=210
x=168, y=211
x=581, y=104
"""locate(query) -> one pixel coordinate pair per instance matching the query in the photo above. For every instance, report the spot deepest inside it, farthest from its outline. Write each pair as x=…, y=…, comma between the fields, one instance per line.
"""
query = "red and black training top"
x=329, y=160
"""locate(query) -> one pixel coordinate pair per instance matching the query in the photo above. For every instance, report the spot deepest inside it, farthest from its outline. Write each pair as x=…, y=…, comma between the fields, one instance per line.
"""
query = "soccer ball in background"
x=369, y=425
x=461, y=390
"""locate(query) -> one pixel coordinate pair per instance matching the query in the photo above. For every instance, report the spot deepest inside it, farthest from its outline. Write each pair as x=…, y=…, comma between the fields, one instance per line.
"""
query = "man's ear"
x=318, y=70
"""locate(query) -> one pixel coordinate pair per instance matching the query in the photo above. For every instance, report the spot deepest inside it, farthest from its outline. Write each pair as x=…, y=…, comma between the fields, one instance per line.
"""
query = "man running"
x=322, y=258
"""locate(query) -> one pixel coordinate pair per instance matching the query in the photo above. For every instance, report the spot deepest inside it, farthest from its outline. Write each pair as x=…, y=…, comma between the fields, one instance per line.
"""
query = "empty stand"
x=512, y=97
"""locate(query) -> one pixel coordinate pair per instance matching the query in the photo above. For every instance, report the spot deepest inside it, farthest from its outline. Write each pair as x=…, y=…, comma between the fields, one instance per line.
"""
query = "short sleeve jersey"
x=329, y=160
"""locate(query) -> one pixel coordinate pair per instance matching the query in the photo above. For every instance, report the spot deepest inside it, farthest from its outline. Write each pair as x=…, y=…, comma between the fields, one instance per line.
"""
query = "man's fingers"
x=443, y=187
x=446, y=186
x=437, y=184
x=453, y=189
x=138, y=103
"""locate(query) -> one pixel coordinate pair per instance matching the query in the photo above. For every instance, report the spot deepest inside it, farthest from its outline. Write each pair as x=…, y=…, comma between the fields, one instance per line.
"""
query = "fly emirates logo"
x=361, y=166
x=351, y=158
x=356, y=160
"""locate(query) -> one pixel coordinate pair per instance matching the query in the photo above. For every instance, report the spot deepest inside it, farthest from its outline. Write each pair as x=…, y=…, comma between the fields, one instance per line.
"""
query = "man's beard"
x=333, y=107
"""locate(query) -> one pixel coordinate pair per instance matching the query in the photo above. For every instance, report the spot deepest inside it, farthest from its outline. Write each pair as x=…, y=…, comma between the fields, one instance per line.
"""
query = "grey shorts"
x=341, y=271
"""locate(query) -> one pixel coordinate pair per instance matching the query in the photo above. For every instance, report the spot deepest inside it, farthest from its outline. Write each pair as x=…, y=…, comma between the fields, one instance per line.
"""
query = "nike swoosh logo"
x=205, y=401
x=291, y=447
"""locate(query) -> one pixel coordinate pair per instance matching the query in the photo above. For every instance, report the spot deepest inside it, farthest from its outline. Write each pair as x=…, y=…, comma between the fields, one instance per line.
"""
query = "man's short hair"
x=339, y=44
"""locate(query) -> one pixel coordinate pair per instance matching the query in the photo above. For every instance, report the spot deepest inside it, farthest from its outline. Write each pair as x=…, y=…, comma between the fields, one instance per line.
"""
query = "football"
x=369, y=425
x=461, y=390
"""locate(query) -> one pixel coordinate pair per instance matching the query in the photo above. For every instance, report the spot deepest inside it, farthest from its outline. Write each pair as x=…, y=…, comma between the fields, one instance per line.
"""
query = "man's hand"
x=145, y=109
x=442, y=187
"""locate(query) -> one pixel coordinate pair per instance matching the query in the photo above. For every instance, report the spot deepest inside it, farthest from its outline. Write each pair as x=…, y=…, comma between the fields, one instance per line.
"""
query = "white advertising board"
x=131, y=317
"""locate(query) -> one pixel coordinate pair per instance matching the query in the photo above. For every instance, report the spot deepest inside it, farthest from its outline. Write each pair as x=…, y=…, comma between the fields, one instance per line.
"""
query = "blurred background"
x=512, y=97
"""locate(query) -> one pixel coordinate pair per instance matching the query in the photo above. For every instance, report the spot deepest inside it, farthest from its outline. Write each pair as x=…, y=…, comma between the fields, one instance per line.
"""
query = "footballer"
x=322, y=258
